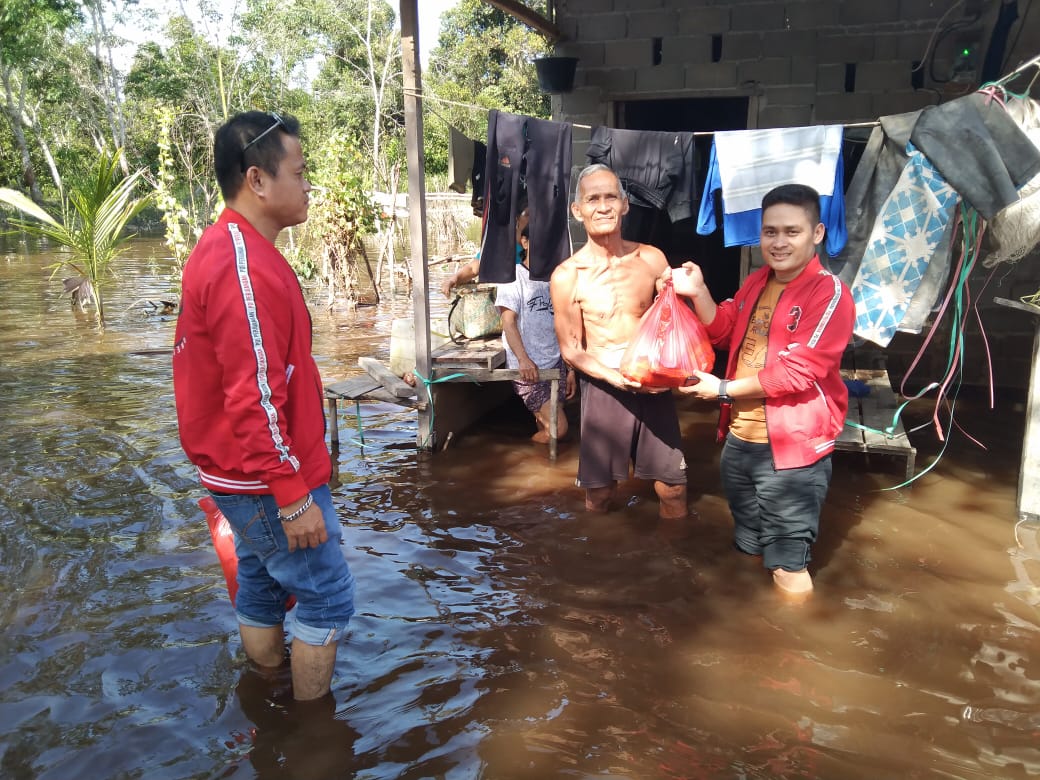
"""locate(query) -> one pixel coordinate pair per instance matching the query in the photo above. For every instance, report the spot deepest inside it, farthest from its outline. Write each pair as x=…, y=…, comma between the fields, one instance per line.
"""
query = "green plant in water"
x=341, y=213
x=175, y=216
x=94, y=216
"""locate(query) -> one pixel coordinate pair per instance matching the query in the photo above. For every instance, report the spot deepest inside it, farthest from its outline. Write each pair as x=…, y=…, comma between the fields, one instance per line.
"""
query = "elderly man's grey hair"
x=588, y=170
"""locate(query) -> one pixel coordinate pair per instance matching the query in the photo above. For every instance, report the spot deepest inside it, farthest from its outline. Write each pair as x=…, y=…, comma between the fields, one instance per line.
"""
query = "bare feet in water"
x=794, y=585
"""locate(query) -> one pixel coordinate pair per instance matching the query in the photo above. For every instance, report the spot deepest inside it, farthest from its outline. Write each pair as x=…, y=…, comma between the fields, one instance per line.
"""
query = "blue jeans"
x=268, y=573
x=776, y=514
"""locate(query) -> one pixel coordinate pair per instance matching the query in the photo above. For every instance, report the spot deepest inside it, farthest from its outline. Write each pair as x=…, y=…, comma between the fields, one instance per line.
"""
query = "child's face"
x=521, y=222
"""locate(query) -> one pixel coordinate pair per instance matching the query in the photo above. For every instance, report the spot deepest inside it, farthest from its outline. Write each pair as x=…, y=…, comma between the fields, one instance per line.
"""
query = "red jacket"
x=250, y=401
x=806, y=400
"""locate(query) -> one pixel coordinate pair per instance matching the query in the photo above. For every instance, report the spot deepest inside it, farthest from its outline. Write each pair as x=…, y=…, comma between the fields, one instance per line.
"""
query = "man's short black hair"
x=247, y=139
x=795, y=195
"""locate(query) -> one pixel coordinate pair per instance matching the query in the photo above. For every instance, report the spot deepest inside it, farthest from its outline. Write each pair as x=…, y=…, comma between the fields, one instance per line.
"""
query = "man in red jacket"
x=783, y=397
x=250, y=404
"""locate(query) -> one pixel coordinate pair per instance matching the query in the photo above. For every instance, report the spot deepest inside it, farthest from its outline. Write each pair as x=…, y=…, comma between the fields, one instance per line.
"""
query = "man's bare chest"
x=606, y=292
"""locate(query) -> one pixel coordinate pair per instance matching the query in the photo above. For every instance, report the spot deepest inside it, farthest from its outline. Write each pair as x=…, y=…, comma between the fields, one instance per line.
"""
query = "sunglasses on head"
x=278, y=122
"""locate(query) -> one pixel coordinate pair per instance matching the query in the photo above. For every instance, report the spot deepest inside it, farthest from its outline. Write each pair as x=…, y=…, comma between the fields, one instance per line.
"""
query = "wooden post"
x=1029, y=474
x=554, y=416
x=333, y=424
x=413, y=123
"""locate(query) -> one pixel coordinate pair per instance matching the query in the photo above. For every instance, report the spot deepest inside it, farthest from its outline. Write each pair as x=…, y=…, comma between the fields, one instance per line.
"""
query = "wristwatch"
x=724, y=397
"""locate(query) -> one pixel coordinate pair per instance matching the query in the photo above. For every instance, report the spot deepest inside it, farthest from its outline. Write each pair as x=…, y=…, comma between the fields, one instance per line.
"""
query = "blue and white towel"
x=744, y=228
x=752, y=162
x=909, y=228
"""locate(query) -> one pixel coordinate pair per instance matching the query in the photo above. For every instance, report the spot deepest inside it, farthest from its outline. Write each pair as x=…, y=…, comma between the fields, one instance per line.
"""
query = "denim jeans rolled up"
x=268, y=573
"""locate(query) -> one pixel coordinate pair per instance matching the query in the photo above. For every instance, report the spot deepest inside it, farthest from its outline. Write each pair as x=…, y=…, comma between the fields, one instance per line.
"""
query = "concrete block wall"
x=807, y=62
x=851, y=60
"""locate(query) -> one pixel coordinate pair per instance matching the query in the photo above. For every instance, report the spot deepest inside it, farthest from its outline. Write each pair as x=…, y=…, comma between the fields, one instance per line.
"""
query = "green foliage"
x=341, y=213
x=26, y=24
x=175, y=215
x=94, y=216
x=353, y=48
x=483, y=57
x=335, y=64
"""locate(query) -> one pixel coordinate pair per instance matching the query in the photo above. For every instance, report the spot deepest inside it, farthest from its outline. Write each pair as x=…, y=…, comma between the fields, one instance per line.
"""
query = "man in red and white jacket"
x=250, y=404
x=783, y=398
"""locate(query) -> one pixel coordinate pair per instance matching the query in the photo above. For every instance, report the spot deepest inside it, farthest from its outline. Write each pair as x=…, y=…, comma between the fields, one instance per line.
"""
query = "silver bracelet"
x=297, y=513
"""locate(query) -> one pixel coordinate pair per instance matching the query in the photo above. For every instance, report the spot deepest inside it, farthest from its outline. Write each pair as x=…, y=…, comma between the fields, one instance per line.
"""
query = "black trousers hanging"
x=532, y=157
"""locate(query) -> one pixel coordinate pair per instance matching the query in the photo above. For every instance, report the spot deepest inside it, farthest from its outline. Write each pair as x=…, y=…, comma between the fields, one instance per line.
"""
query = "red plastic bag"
x=224, y=543
x=669, y=345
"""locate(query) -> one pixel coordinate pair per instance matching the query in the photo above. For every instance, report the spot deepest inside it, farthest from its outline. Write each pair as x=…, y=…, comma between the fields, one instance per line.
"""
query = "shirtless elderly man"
x=598, y=295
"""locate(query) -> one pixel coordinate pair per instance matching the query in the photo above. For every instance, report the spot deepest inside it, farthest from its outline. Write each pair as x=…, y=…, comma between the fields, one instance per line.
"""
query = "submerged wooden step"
x=875, y=410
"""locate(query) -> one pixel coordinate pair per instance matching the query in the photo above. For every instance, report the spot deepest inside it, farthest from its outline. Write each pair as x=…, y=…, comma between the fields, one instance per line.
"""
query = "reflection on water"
x=502, y=632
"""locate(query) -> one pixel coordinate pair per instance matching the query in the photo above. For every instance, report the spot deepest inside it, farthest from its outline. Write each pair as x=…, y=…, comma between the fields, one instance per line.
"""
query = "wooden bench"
x=477, y=360
x=875, y=410
x=482, y=360
x=355, y=389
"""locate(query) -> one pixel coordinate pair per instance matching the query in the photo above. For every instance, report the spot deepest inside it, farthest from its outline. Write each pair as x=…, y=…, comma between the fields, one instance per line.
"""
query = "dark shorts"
x=619, y=428
x=776, y=514
x=535, y=395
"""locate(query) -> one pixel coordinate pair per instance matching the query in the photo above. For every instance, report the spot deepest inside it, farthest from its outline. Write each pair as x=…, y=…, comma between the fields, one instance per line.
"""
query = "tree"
x=107, y=81
x=483, y=57
x=181, y=94
x=354, y=48
x=341, y=213
x=94, y=217
x=27, y=35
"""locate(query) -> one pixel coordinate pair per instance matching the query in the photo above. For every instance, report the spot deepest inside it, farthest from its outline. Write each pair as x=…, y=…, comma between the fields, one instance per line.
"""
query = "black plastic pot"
x=556, y=74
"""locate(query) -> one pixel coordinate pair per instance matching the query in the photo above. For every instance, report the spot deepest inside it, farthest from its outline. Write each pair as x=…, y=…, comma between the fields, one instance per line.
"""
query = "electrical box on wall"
x=965, y=54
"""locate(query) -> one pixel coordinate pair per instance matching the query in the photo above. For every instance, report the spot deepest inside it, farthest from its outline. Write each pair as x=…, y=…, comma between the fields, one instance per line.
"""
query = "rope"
x=429, y=394
x=361, y=433
x=950, y=384
x=1032, y=300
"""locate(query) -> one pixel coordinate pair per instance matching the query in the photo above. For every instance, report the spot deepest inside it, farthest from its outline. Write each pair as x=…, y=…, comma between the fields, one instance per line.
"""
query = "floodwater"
x=502, y=632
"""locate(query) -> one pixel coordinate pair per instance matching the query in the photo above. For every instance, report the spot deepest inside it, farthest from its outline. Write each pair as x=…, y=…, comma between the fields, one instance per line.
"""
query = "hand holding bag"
x=669, y=345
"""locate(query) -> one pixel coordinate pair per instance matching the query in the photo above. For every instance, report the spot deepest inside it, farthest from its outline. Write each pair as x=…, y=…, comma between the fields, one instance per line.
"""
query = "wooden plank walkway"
x=875, y=411
x=357, y=388
x=477, y=360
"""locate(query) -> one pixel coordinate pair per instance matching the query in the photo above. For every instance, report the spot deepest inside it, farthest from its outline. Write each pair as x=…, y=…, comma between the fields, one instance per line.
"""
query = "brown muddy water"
x=502, y=632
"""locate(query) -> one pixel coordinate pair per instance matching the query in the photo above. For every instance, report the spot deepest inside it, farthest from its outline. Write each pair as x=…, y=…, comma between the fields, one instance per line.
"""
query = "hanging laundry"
x=934, y=282
x=875, y=177
x=978, y=149
x=657, y=169
x=910, y=226
x=529, y=155
x=1015, y=231
x=752, y=162
x=746, y=164
x=460, y=160
x=477, y=178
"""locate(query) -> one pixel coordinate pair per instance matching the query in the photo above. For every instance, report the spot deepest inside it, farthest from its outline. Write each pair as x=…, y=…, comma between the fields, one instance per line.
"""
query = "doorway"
x=679, y=240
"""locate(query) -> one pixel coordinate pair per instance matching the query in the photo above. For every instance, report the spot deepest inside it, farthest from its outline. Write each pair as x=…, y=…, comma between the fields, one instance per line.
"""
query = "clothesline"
x=474, y=106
